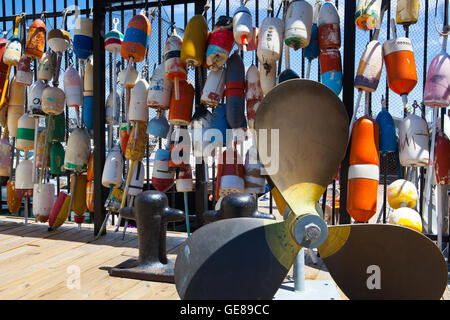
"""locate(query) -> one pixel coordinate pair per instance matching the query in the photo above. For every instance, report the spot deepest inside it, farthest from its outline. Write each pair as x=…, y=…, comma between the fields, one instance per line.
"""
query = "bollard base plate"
x=149, y=272
x=314, y=290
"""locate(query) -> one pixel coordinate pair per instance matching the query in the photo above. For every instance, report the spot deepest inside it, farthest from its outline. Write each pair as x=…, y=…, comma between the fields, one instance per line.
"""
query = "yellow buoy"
x=194, y=41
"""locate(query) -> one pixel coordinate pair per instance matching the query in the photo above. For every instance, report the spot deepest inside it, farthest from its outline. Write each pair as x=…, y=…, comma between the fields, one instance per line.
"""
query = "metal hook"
x=115, y=23
x=446, y=28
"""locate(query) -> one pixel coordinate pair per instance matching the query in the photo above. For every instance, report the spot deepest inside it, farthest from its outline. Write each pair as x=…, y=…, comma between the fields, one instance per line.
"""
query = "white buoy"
x=160, y=89
x=298, y=24
x=23, y=175
x=137, y=180
x=72, y=87
x=184, y=182
x=78, y=151
x=25, y=133
x=47, y=65
x=270, y=40
x=267, y=77
x=413, y=141
x=214, y=88
x=113, y=169
x=242, y=27
x=43, y=200
x=35, y=98
x=138, y=110
x=53, y=101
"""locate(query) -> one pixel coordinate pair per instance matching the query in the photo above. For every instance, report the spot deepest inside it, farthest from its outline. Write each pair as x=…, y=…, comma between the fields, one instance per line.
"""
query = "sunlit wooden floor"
x=38, y=264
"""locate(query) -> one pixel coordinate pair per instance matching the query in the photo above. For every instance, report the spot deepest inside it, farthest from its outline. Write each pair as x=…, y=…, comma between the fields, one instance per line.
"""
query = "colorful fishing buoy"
x=180, y=149
x=136, y=39
x=12, y=199
x=402, y=193
x=16, y=93
x=114, y=38
x=194, y=41
x=78, y=150
x=174, y=67
x=131, y=79
x=201, y=123
x=112, y=117
x=43, y=200
x=162, y=178
x=329, y=27
x=57, y=155
x=230, y=174
x=83, y=38
x=220, y=123
x=253, y=93
x=137, y=180
x=367, y=14
x=270, y=40
x=184, y=181
x=214, y=87
x=53, y=101
x=159, y=126
x=234, y=92
x=124, y=135
x=137, y=142
x=60, y=211
x=47, y=66
x=267, y=77
x=113, y=169
x=78, y=189
x=298, y=24
x=363, y=173
x=42, y=145
x=407, y=12
x=72, y=87
x=35, y=44
x=24, y=182
x=331, y=69
x=242, y=27
x=90, y=196
x=437, y=84
x=25, y=133
x=370, y=67
x=24, y=75
x=5, y=155
x=413, y=142
x=220, y=43
x=388, y=137
x=180, y=111
x=442, y=159
x=160, y=89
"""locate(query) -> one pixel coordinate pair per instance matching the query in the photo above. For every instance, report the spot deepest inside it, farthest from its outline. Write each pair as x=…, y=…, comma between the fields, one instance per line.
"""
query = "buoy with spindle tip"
x=180, y=149
x=312, y=50
x=174, y=67
x=230, y=174
x=114, y=38
x=407, y=12
x=200, y=124
x=24, y=75
x=214, y=87
x=78, y=150
x=331, y=69
x=113, y=169
x=220, y=43
x=402, y=193
x=413, y=141
x=59, y=41
x=160, y=89
x=400, y=65
x=255, y=182
x=136, y=39
x=16, y=93
x=11, y=57
x=270, y=40
x=194, y=41
x=162, y=178
x=60, y=211
x=24, y=183
x=35, y=44
x=436, y=93
x=242, y=26
x=138, y=110
x=184, y=181
x=180, y=110
x=56, y=158
x=14, y=113
x=363, y=173
x=43, y=200
x=159, y=126
x=234, y=91
x=253, y=93
x=220, y=123
x=267, y=77
x=298, y=24
x=3, y=66
x=46, y=66
x=25, y=133
x=329, y=27
x=442, y=159
x=83, y=37
x=367, y=14
x=388, y=137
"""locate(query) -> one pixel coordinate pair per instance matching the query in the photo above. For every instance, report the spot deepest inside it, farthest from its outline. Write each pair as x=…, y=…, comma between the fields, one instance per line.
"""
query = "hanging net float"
x=214, y=87
x=413, y=143
x=367, y=14
x=370, y=67
x=220, y=43
x=242, y=27
x=53, y=101
x=16, y=93
x=136, y=39
x=329, y=27
x=43, y=200
x=47, y=66
x=138, y=110
x=174, y=67
x=113, y=169
x=407, y=12
x=436, y=92
x=131, y=79
x=402, y=196
x=298, y=24
x=160, y=89
x=114, y=38
x=230, y=174
x=78, y=150
x=159, y=126
x=72, y=88
x=194, y=42
x=35, y=44
x=388, y=136
x=83, y=37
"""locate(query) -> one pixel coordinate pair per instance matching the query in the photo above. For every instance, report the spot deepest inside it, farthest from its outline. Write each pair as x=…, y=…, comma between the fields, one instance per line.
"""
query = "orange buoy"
x=363, y=173
x=136, y=39
x=174, y=67
x=90, y=169
x=12, y=199
x=35, y=45
x=180, y=111
x=90, y=196
x=442, y=159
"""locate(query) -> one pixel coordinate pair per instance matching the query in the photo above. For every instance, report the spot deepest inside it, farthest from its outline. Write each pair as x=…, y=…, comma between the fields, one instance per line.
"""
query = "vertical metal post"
x=99, y=113
x=348, y=99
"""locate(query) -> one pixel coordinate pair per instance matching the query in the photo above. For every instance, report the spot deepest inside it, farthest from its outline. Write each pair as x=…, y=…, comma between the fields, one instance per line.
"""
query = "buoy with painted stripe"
x=90, y=196
x=114, y=38
x=220, y=43
x=437, y=84
x=78, y=150
x=402, y=193
x=254, y=180
x=267, y=77
x=56, y=158
x=370, y=67
x=270, y=40
x=60, y=211
x=16, y=93
x=388, y=137
x=46, y=66
x=72, y=87
x=194, y=41
x=367, y=14
x=234, y=91
x=160, y=89
x=214, y=87
x=230, y=174
x=298, y=24
x=137, y=142
x=363, y=173
x=43, y=200
x=253, y=93
x=53, y=100
x=137, y=179
x=406, y=217
x=329, y=27
x=35, y=44
x=331, y=69
x=25, y=133
x=413, y=142
x=159, y=126
x=162, y=178
x=14, y=113
x=24, y=76
x=24, y=181
x=138, y=110
x=184, y=181
x=242, y=27
x=442, y=159
x=3, y=66
x=113, y=169
x=83, y=37
x=174, y=67
x=180, y=111
x=136, y=39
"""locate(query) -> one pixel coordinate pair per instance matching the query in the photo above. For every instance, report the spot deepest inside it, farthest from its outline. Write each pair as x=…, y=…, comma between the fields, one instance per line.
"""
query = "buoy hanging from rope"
x=388, y=137
x=43, y=200
x=180, y=150
x=78, y=149
x=174, y=67
x=194, y=42
x=47, y=66
x=16, y=93
x=363, y=174
x=180, y=110
x=113, y=169
x=59, y=42
x=24, y=182
x=160, y=89
x=253, y=93
x=83, y=38
x=230, y=174
x=220, y=123
x=270, y=40
x=159, y=126
x=35, y=44
x=14, y=113
x=12, y=199
x=413, y=141
x=25, y=133
x=162, y=178
x=407, y=12
x=24, y=75
x=138, y=110
x=220, y=43
x=201, y=122
x=329, y=27
x=60, y=211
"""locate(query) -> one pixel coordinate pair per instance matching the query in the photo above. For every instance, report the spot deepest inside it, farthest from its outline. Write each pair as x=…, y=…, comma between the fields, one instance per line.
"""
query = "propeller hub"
x=310, y=231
